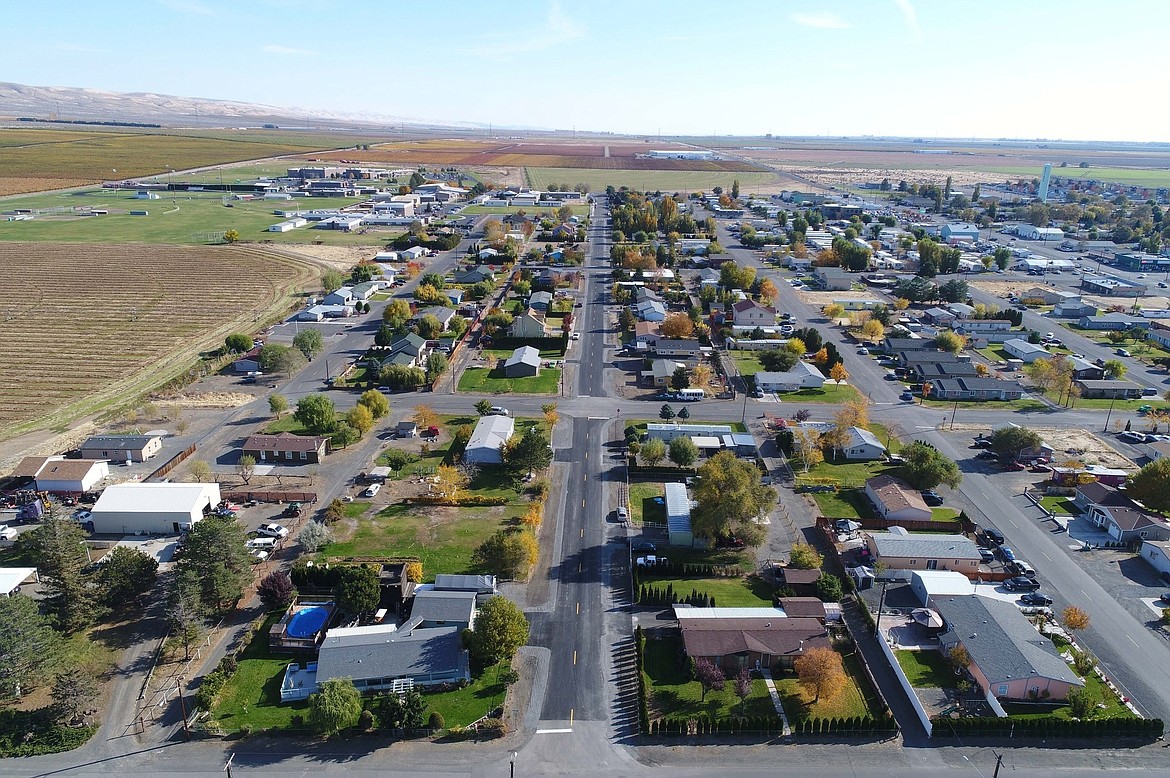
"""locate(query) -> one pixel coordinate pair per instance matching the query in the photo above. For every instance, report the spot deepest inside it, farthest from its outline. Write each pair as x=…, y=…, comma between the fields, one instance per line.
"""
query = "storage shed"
x=161, y=509
x=678, y=515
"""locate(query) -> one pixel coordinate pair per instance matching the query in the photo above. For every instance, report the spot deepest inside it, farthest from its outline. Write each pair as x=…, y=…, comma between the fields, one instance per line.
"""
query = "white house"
x=748, y=313
x=1028, y=232
x=1157, y=553
x=801, y=376
x=1025, y=351
x=491, y=432
x=668, y=432
x=160, y=509
x=863, y=445
x=893, y=499
x=63, y=476
x=413, y=253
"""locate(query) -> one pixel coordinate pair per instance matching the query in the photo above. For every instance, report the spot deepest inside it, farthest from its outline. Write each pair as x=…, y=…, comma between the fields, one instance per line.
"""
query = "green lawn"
x=846, y=504
x=645, y=180
x=503, y=353
x=1062, y=506
x=286, y=423
x=643, y=508
x=1101, y=403
x=748, y=592
x=177, y=219
x=944, y=514
x=1022, y=404
x=1114, y=708
x=673, y=693
x=460, y=707
x=639, y=425
x=856, y=699
x=883, y=433
x=252, y=695
x=927, y=669
x=480, y=380
x=746, y=362
x=829, y=393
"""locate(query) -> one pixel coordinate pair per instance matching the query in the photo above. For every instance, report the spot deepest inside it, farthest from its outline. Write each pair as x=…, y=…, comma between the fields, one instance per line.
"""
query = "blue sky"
x=933, y=68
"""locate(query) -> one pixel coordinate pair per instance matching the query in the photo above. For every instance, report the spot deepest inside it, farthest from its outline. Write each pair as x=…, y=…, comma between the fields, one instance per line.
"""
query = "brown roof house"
x=894, y=499
x=286, y=448
x=753, y=638
x=1125, y=520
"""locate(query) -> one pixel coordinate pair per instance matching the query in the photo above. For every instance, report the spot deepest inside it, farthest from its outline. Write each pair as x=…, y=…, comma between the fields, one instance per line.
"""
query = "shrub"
x=366, y=720
x=436, y=721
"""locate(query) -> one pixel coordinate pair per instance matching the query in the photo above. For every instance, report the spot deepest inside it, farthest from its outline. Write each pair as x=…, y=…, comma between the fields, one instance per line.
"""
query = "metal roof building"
x=678, y=515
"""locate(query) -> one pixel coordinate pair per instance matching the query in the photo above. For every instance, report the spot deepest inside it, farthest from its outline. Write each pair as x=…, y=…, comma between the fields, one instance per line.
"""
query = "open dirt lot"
x=820, y=299
x=1071, y=444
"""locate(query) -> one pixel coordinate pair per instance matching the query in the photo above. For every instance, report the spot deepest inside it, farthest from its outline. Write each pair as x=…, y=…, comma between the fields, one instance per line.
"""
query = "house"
x=678, y=515
x=440, y=312
x=1074, y=309
x=477, y=274
x=661, y=371
x=365, y=290
x=412, y=254
x=341, y=296
x=801, y=376
x=528, y=325
x=454, y=295
x=685, y=349
x=667, y=432
x=1108, y=389
x=442, y=608
x=1157, y=554
x=894, y=499
x=832, y=278
x=1110, y=321
x=959, y=233
x=929, y=585
x=650, y=310
x=59, y=475
x=540, y=301
x=490, y=433
x=708, y=277
x=153, y=508
x=645, y=334
x=692, y=245
x=1159, y=333
x=1025, y=351
x=525, y=361
x=564, y=232
x=902, y=550
x=982, y=326
x=406, y=429
x=940, y=316
x=1084, y=369
x=409, y=350
x=748, y=313
x=933, y=371
x=286, y=448
x=961, y=310
x=974, y=388
x=1110, y=286
x=1010, y=659
x=248, y=362
x=892, y=345
x=121, y=448
x=1125, y=520
x=321, y=312
x=863, y=446
x=751, y=638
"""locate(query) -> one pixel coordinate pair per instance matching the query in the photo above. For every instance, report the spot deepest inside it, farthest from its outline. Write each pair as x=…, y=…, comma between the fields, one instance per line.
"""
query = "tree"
x=276, y=590
x=821, y=672
x=917, y=289
x=358, y=590
x=344, y=435
x=125, y=574
x=376, y=402
x=873, y=331
x=216, y=558
x=277, y=404
x=483, y=407
x=953, y=291
x=314, y=536
x=926, y=467
x=732, y=276
x=317, y=413
x=436, y=364
x=396, y=313
x=854, y=413
x=807, y=445
x=1115, y=368
x=509, y=552
x=804, y=557
x=768, y=291
x=425, y=417
x=666, y=412
x=828, y=588
x=500, y=629
x=743, y=688
x=200, y=471
x=1074, y=618
x=833, y=311
x=949, y=342
x=275, y=358
x=245, y=467
x=450, y=481
x=838, y=373
x=1003, y=257
x=683, y=451
x=29, y=647
x=796, y=346
x=238, y=343
x=332, y=280
x=429, y=326
x=653, y=451
x=779, y=360
x=58, y=548
x=185, y=610
x=309, y=342
x=730, y=498
x=1009, y=441
x=528, y=453
x=425, y=293
x=75, y=688
x=709, y=676
x=679, y=378
x=677, y=325
x=402, y=377
x=336, y=705
x=684, y=413
x=901, y=304
x=1082, y=702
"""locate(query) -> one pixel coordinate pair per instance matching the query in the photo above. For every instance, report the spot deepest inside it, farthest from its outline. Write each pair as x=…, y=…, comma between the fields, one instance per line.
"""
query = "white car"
x=575, y=336
x=259, y=555
x=83, y=515
x=272, y=530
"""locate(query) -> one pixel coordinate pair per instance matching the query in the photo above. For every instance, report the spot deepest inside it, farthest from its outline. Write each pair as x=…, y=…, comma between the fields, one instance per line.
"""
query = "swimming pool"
x=307, y=622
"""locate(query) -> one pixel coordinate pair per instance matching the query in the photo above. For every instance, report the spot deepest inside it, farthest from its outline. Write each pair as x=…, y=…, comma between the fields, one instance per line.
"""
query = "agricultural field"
x=525, y=153
x=33, y=160
x=649, y=180
x=86, y=325
x=178, y=217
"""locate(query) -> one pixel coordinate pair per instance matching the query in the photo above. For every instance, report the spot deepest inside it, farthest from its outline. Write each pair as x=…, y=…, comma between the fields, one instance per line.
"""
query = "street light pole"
x=1108, y=415
x=512, y=765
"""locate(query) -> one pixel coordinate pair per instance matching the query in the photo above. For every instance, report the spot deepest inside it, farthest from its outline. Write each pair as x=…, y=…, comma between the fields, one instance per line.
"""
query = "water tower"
x=1044, y=179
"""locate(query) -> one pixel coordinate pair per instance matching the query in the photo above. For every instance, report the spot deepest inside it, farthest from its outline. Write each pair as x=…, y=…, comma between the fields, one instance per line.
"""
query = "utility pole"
x=183, y=708
x=998, y=764
x=227, y=768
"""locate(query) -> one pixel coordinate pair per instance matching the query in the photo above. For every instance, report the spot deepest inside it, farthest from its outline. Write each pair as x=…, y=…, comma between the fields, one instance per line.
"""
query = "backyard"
x=857, y=698
x=927, y=669
x=736, y=592
x=673, y=693
x=646, y=503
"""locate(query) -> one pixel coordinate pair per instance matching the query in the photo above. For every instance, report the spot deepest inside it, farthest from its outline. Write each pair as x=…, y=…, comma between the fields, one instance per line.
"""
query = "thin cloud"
x=79, y=49
x=557, y=30
x=821, y=21
x=272, y=48
x=188, y=7
x=910, y=16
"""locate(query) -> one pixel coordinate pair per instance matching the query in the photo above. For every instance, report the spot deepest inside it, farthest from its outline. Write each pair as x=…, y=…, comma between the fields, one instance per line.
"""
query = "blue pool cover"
x=307, y=622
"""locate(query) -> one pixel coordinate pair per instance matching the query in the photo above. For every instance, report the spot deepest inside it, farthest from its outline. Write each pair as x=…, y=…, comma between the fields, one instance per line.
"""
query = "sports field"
x=87, y=325
x=646, y=180
x=178, y=217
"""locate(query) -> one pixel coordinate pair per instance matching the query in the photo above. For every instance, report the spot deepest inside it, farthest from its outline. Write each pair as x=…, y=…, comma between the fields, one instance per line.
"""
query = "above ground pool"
x=307, y=622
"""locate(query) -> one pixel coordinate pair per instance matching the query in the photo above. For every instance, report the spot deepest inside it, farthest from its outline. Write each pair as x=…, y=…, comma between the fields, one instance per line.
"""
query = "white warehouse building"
x=153, y=509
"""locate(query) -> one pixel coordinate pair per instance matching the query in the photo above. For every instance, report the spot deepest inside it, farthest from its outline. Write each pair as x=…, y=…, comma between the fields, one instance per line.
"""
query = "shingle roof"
x=384, y=652
x=285, y=441
x=774, y=636
x=66, y=469
x=117, y=442
x=527, y=355
x=803, y=607
x=860, y=436
x=1000, y=640
x=432, y=605
x=895, y=494
x=924, y=546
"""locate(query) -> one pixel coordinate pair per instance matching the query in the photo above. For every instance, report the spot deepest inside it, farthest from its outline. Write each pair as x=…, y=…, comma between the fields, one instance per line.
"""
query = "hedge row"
x=1129, y=726
x=654, y=595
x=643, y=692
x=470, y=501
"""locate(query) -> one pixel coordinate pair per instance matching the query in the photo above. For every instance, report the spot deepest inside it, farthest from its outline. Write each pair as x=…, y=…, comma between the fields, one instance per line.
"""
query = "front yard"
x=856, y=699
x=481, y=380
x=1061, y=506
x=829, y=393
x=672, y=693
x=647, y=504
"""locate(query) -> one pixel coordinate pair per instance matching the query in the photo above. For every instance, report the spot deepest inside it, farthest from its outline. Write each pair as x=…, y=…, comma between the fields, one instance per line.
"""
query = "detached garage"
x=152, y=509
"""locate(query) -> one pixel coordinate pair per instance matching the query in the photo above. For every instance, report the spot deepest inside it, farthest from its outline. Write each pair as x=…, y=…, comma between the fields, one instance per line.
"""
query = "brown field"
x=525, y=154
x=11, y=186
x=86, y=325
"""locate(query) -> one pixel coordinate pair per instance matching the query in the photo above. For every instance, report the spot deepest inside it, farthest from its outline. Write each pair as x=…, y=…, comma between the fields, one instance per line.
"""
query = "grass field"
x=86, y=325
x=34, y=160
x=845, y=504
x=480, y=380
x=645, y=180
x=252, y=695
x=181, y=219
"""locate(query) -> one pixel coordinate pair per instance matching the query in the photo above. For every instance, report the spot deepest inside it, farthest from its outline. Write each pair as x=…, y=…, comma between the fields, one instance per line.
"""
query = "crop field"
x=647, y=180
x=179, y=217
x=512, y=153
x=85, y=325
x=39, y=160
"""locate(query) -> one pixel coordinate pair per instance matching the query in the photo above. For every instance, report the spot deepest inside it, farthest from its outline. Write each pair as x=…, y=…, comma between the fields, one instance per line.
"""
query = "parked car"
x=906, y=397
x=272, y=530
x=642, y=545
x=1036, y=599
x=292, y=510
x=651, y=561
x=993, y=535
x=932, y=498
x=981, y=443
x=987, y=455
x=82, y=516
x=1022, y=567
x=863, y=351
x=1132, y=437
x=1165, y=598
x=1021, y=584
x=623, y=513
x=1007, y=553
x=266, y=544
x=1121, y=352
x=986, y=555
x=498, y=411
x=372, y=490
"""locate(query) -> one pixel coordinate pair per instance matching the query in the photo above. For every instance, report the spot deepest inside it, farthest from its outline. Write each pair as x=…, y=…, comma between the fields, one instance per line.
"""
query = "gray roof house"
x=902, y=550
x=525, y=361
x=377, y=656
x=440, y=312
x=491, y=432
x=452, y=582
x=1009, y=658
x=540, y=300
x=434, y=608
x=863, y=445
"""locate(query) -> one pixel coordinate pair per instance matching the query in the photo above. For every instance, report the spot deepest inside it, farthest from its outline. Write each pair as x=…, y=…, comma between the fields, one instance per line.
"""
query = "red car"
x=1013, y=465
